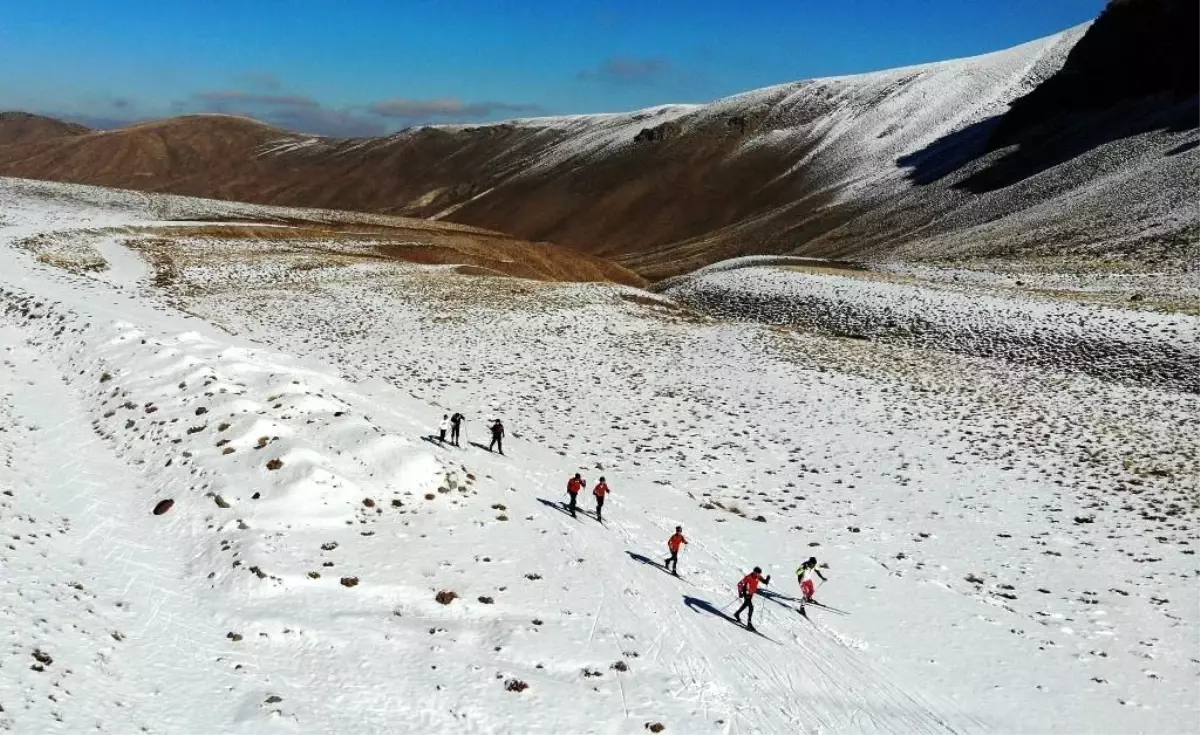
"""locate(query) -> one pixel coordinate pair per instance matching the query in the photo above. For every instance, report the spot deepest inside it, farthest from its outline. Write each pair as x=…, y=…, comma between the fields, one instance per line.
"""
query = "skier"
x=673, y=544
x=443, y=427
x=574, y=485
x=600, y=491
x=806, y=585
x=746, y=591
x=497, y=436
x=456, y=427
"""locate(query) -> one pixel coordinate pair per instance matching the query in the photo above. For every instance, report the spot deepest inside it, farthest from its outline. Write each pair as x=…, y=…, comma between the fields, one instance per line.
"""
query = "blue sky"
x=359, y=67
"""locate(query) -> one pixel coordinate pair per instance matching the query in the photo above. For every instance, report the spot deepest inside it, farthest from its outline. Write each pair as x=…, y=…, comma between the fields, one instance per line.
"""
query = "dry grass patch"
x=425, y=243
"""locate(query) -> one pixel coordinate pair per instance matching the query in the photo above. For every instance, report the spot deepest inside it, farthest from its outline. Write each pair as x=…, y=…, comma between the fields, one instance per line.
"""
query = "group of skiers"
x=452, y=423
x=747, y=587
x=577, y=483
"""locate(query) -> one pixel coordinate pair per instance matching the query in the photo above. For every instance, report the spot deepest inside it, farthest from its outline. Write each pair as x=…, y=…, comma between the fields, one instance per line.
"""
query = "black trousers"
x=571, y=503
x=672, y=561
x=497, y=443
x=442, y=435
x=454, y=434
x=599, y=505
x=748, y=606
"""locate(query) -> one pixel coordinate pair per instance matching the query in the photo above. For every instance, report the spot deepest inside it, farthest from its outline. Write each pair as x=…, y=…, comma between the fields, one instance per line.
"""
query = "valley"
x=1013, y=540
x=936, y=326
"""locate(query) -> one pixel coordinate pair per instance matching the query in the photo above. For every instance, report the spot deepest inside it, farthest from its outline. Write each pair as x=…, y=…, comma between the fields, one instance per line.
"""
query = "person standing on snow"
x=600, y=491
x=455, y=427
x=806, y=585
x=673, y=544
x=574, y=485
x=746, y=589
x=443, y=428
x=497, y=437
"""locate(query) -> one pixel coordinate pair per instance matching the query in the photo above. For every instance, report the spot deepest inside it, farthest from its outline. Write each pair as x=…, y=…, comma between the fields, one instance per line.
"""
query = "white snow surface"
x=865, y=123
x=967, y=598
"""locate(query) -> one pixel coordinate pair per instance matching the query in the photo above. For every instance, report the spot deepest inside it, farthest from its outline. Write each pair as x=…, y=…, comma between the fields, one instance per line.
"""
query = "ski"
x=660, y=566
x=757, y=632
x=827, y=607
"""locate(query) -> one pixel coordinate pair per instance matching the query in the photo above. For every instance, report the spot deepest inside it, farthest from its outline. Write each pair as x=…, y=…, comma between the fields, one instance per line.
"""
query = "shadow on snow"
x=643, y=559
x=556, y=505
x=699, y=605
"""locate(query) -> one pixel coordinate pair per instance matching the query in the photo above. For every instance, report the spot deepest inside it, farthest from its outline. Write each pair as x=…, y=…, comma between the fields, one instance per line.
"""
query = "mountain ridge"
x=26, y=127
x=898, y=164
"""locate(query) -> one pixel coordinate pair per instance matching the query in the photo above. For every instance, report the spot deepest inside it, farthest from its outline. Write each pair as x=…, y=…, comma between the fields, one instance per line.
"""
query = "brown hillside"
x=640, y=197
x=197, y=155
x=890, y=164
x=22, y=127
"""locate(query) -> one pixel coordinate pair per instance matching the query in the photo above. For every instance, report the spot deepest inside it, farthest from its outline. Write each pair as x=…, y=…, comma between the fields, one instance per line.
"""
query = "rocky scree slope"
x=1158, y=350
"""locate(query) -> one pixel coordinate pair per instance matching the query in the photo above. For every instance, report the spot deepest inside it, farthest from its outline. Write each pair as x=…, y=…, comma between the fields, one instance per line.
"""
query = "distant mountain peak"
x=25, y=127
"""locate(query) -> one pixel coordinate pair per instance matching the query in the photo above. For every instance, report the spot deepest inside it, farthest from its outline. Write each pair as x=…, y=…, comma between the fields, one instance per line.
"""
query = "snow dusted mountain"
x=223, y=509
x=925, y=163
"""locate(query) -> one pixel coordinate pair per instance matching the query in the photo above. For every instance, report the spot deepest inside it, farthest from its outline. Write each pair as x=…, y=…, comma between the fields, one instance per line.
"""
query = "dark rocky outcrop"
x=1137, y=69
x=1135, y=50
x=665, y=131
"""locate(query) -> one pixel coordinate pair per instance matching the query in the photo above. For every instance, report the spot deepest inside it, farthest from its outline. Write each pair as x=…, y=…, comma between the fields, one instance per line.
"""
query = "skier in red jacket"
x=600, y=491
x=673, y=544
x=574, y=485
x=746, y=590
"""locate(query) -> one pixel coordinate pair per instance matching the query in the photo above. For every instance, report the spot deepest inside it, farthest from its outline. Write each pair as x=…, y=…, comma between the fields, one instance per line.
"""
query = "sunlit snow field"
x=1009, y=544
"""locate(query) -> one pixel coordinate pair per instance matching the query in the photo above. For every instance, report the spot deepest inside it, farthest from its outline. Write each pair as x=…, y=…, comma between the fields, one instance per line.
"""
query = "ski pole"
x=817, y=587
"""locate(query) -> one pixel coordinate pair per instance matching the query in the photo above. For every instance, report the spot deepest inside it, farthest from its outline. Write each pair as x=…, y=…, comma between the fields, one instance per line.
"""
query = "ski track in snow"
x=226, y=613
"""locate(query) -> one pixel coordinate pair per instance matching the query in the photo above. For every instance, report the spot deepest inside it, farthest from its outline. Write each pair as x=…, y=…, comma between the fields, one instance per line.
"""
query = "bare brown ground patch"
x=474, y=270
x=660, y=308
x=75, y=255
x=434, y=245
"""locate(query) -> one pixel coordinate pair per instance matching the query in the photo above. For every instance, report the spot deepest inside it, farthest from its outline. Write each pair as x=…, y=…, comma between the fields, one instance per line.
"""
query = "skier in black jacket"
x=497, y=437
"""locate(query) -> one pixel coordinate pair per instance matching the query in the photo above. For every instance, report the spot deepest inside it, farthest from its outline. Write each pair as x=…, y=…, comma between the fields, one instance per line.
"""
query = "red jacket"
x=574, y=485
x=749, y=584
x=600, y=490
x=676, y=541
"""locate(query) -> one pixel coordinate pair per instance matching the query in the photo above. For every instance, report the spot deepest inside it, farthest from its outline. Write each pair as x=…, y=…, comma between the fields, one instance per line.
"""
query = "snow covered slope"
x=1008, y=548
x=1156, y=349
